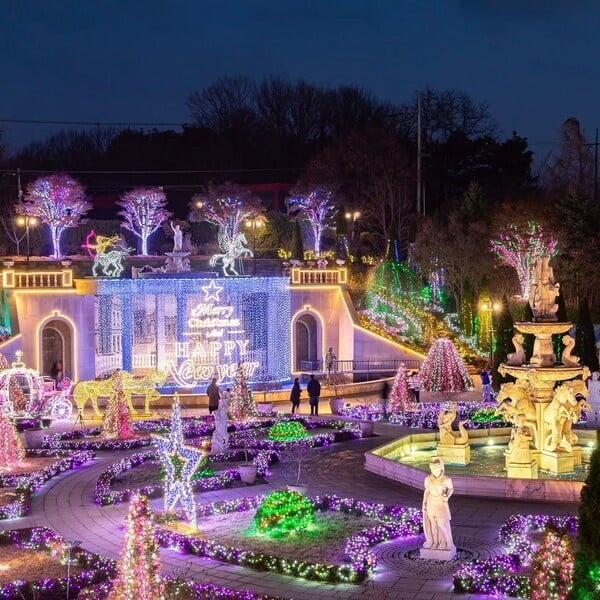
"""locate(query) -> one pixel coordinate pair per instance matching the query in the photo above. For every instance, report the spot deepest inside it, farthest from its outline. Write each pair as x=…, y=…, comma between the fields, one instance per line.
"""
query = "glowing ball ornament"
x=287, y=431
x=283, y=512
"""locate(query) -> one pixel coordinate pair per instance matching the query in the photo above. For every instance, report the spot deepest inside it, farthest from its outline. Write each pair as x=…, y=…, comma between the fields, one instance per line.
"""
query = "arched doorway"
x=306, y=338
x=56, y=344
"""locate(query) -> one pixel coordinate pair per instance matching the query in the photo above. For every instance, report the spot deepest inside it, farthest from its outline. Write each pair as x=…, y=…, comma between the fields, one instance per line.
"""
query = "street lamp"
x=255, y=222
x=72, y=545
x=491, y=307
x=27, y=222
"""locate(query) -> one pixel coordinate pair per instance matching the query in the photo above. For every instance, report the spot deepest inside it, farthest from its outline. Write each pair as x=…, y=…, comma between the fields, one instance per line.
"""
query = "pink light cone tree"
x=59, y=202
x=12, y=452
x=144, y=211
x=241, y=403
x=444, y=370
x=400, y=398
x=116, y=422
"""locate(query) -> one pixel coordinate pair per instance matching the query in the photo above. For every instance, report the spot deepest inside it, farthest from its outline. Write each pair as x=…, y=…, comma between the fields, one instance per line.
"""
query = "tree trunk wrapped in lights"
x=12, y=452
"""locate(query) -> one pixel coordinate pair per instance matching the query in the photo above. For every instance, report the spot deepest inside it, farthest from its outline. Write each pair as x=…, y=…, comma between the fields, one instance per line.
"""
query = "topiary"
x=282, y=512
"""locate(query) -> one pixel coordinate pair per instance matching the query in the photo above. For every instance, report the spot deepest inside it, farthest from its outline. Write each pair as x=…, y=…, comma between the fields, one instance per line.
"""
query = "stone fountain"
x=538, y=408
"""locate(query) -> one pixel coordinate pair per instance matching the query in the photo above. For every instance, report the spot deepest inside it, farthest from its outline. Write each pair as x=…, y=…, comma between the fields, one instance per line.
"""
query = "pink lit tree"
x=59, y=202
x=139, y=566
x=12, y=452
x=241, y=403
x=144, y=211
x=443, y=370
x=317, y=209
x=116, y=422
x=400, y=399
x=522, y=249
x=552, y=568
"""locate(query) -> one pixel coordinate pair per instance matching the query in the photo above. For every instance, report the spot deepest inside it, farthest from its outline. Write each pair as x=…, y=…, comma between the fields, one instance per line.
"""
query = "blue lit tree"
x=59, y=202
x=144, y=211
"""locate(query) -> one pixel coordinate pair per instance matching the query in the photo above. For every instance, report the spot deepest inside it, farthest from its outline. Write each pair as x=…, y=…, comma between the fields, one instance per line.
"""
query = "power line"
x=95, y=123
x=154, y=172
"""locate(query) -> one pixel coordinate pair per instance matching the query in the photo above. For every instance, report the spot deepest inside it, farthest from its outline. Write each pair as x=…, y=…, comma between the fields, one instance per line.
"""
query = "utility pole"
x=596, y=168
x=419, y=153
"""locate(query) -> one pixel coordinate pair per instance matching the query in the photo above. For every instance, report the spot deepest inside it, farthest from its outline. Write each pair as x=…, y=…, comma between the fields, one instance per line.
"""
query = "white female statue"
x=177, y=238
x=436, y=514
x=220, y=437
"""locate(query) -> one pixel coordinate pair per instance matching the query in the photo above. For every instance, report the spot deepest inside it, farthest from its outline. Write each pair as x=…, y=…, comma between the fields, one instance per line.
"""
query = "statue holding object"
x=543, y=292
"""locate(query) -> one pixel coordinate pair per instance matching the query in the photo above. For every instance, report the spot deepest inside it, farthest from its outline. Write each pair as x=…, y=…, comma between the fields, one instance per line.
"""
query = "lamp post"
x=254, y=222
x=27, y=222
x=491, y=307
x=72, y=545
x=352, y=218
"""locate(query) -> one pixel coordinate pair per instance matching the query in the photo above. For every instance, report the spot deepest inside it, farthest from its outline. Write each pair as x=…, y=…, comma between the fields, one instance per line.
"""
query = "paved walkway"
x=66, y=504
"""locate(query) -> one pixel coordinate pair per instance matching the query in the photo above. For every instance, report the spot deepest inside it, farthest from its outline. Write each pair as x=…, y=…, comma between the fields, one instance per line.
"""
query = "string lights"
x=116, y=422
x=283, y=512
x=443, y=369
x=400, y=398
x=12, y=452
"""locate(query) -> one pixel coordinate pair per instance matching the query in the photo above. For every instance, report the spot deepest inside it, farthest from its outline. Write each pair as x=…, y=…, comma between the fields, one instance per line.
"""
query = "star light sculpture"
x=180, y=462
x=212, y=291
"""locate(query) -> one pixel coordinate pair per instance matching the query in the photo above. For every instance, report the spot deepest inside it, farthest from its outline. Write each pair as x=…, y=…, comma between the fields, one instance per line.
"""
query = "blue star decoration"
x=180, y=463
x=212, y=291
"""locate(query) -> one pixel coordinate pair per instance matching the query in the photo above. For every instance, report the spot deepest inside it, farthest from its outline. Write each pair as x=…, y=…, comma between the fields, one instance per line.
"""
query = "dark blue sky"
x=535, y=62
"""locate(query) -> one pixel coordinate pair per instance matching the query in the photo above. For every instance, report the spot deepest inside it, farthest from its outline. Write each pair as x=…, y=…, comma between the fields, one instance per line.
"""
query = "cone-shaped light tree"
x=552, y=568
x=138, y=574
x=59, y=202
x=116, y=422
x=444, y=370
x=400, y=398
x=144, y=211
x=12, y=452
x=241, y=402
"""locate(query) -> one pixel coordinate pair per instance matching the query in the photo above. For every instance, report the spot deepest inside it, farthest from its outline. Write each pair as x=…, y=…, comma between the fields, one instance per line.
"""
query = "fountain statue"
x=177, y=260
x=548, y=412
x=436, y=514
x=518, y=356
x=453, y=447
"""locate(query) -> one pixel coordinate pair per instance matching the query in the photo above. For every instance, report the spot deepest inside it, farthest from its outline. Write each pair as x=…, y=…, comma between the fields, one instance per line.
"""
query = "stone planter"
x=264, y=408
x=366, y=428
x=336, y=405
x=301, y=488
x=247, y=473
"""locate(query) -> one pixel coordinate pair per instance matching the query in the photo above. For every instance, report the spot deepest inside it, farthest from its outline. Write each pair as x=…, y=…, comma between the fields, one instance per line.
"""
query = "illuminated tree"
x=241, y=402
x=226, y=206
x=139, y=567
x=59, y=202
x=552, y=568
x=585, y=341
x=400, y=398
x=443, y=369
x=144, y=212
x=116, y=422
x=522, y=249
x=12, y=452
x=317, y=209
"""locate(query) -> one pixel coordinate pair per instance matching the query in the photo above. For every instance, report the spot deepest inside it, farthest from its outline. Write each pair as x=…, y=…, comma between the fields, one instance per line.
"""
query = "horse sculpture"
x=145, y=386
x=559, y=417
x=111, y=262
x=515, y=399
x=232, y=249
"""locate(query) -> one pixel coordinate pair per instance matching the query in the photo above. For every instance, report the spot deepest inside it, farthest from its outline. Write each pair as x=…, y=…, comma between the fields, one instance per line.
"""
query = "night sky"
x=535, y=62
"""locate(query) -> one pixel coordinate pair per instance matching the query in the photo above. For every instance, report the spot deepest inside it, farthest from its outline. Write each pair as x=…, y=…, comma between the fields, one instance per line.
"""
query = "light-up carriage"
x=25, y=394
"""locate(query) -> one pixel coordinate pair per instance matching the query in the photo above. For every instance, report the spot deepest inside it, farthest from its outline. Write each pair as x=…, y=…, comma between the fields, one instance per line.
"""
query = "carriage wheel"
x=61, y=410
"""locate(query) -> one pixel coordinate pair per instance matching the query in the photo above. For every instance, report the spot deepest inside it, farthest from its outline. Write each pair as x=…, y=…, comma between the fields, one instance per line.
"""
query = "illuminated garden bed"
x=350, y=559
x=38, y=467
x=91, y=439
x=43, y=553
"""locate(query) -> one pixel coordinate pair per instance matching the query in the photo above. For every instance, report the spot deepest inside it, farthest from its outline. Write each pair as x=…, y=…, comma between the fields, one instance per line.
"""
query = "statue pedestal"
x=455, y=455
x=219, y=444
x=435, y=554
x=176, y=263
x=557, y=462
x=523, y=470
x=577, y=456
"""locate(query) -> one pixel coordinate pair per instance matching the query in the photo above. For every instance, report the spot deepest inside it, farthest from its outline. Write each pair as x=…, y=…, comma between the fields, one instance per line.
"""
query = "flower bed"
x=25, y=482
x=393, y=522
x=503, y=574
x=105, y=496
x=92, y=568
x=89, y=439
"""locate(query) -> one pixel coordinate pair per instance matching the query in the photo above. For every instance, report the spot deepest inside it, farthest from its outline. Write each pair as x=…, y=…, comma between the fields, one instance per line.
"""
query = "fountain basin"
x=407, y=460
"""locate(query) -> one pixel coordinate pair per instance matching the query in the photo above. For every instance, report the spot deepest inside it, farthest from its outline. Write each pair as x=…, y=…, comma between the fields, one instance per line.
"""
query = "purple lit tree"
x=59, y=202
x=226, y=206
x=317, y=208
x=144, y=212
x=522, y=249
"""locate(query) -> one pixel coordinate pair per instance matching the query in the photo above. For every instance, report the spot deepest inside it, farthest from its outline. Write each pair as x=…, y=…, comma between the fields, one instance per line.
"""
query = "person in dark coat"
x=385, y=391
x=213, y=396
x=295, y=395
x=314, y=391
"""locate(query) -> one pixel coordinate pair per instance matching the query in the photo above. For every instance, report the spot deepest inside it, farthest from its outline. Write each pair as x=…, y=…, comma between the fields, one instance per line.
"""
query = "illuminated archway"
x=307, y=342
x=56, y=340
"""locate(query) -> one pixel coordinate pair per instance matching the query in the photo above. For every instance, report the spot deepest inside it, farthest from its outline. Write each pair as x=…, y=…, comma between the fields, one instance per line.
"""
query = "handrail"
x=37, y=279
x=312, y=276
x=378, y=365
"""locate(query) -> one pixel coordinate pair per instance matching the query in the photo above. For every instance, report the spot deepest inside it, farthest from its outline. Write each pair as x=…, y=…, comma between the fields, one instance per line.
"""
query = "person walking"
x=414, y=384
x=486, y=384
x=295, y=395
x=213, y=396
x=314, y=391
x=329, y=360
x=385, y=391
